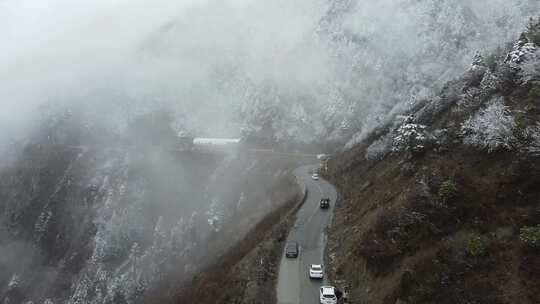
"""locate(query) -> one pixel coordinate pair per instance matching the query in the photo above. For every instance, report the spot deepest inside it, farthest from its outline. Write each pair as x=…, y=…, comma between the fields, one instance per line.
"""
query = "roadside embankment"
x=247, y=272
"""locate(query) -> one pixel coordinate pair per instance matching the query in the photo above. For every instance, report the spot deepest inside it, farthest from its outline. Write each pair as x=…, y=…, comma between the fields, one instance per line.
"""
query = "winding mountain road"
x=294, y=285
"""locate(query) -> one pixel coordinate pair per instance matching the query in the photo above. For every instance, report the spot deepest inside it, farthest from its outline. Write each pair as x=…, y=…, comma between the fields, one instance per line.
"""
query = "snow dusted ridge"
x=489, y=119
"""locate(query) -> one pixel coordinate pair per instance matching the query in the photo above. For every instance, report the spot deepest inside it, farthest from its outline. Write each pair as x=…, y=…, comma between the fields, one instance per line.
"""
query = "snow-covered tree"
x=134, y=255
x=191, y=228
x=478, y=62
x=530, y=68
x=520, y=52
x=160, y=234
x=42, y=223
x=215, y=215
x=156, y=255
x=491, y=128
x=112, y=238
x=490, y=82
x=410, y=136
x=14, y=282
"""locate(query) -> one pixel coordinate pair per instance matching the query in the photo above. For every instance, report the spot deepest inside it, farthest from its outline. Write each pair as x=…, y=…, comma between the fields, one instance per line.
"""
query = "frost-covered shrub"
x=410, y=137
x=447, y=191
x=491, y=128
x=42, y=223
x=532, y=140
x=521, y=50
x=379, y=148
x=490, y=82
x=216, y=215
x=478, y=63
x=530, y=235
x=475, y=246
x=442, y=138
x=530, y=69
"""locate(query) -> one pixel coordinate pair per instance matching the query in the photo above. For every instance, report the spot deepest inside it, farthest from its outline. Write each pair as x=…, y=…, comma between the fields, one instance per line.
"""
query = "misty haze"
x=277, y=152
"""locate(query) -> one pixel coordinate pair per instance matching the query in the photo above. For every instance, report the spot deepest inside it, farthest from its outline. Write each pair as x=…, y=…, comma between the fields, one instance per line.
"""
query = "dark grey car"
x=291, y=250
x=325, y=203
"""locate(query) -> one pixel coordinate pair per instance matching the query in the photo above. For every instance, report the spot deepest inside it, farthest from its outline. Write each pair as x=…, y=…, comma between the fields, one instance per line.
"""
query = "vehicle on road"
x=316, y=271
x=325, y=203
x=323, y=157
x=291, y=250
x=327, y=295
x=315, y=176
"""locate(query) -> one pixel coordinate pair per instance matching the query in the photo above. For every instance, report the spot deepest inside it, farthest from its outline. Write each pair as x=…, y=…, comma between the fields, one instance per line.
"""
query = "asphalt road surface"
x=294, y=285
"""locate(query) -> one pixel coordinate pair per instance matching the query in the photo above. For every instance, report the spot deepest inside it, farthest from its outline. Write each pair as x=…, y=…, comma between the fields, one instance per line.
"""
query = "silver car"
x=316, y=271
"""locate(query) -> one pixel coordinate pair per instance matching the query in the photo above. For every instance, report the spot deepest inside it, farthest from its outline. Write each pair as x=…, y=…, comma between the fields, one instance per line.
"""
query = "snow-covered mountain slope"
x=86, y=220
x=347, y=66
x=441, y=205
x=96, y=207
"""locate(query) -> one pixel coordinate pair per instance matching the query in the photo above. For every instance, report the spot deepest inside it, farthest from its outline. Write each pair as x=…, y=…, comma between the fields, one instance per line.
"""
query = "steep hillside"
x=248, y=272
x=92, y=217
x=442, y=205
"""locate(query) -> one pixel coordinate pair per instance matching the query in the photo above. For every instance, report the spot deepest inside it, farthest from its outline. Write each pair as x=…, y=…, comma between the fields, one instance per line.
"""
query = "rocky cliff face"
x=441, y=205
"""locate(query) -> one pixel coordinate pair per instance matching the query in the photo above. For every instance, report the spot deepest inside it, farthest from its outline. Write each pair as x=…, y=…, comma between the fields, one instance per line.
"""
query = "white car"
x=327, y=295
x=316, y=271
x=315, y=176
